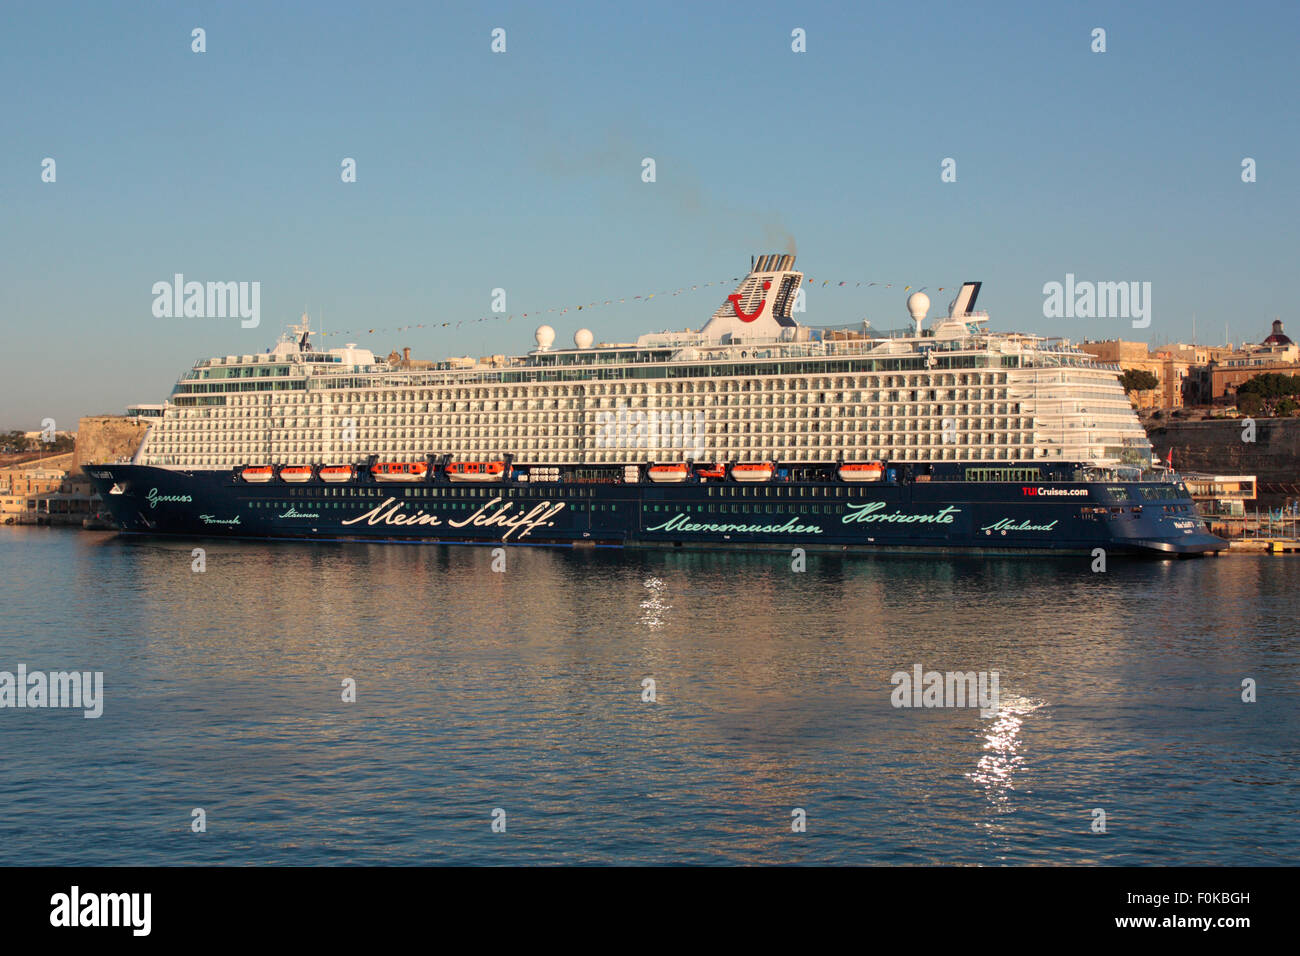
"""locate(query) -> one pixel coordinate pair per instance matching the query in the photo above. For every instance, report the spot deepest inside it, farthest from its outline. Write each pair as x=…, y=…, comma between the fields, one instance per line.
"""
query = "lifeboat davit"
x=861, y=471
x=668, y=473
x=712, y=471
x=753, y=471
x=476, y=470
x=295, y=473
x=258, y=474
x=336, y=473
x=400, y=470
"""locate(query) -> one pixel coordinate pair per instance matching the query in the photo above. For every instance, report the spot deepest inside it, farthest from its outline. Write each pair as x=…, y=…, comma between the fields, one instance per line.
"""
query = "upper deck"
x=751, y=384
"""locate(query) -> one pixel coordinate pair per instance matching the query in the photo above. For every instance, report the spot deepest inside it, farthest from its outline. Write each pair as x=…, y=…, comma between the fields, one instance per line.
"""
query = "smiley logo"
x=741, y=314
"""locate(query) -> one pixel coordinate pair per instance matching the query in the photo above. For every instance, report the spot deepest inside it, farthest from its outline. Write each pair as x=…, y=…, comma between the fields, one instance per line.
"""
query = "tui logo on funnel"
x=741, y=314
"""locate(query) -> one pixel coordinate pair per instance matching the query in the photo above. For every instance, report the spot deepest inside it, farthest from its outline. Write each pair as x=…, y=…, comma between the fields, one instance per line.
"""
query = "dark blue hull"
x=922, y=516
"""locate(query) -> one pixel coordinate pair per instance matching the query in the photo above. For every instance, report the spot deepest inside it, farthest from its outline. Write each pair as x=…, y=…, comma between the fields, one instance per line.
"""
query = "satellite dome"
x=545, y=335
x=918, y=304
x=583, y=338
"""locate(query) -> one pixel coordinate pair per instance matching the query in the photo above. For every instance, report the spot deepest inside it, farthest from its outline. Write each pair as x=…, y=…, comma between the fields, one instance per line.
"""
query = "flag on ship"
x=645, y=297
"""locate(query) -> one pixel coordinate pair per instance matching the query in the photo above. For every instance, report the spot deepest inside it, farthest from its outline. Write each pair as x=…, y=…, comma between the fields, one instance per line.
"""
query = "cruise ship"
x=754, y=431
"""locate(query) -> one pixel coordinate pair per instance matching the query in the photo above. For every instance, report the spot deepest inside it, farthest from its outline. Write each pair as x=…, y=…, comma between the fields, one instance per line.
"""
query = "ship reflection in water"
x=523, y=689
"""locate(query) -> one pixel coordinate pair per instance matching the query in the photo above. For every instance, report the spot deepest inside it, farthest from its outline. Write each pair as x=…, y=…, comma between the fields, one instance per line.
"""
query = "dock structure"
x=1265, y=546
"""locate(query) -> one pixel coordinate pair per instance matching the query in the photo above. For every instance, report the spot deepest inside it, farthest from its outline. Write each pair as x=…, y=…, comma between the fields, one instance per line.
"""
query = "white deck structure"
x=752, y=385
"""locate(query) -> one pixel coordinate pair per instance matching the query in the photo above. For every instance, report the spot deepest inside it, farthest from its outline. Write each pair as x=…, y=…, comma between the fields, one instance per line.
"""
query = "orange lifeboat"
x=668, y=473
x=753, y=471
x=258, y=474
x=861, y=471
x=476, y=470
x=712, y=471
x=336, y=473
x=400, y=471
x=295, y=473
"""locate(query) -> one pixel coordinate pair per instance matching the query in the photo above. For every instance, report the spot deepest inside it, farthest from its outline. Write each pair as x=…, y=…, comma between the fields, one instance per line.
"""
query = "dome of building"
x=1277, y=338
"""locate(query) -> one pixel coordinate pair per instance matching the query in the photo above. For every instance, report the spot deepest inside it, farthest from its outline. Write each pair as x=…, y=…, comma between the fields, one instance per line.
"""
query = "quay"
x=1264, y=546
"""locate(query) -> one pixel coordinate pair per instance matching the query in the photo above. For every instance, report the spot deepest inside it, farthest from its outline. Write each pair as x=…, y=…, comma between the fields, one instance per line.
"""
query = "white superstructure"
x=752, y=385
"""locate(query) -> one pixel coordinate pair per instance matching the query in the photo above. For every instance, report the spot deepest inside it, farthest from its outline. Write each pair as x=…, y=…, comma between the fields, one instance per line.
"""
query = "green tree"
x=1138, y=380
x=1248, y=403
x=13, y=439
x=1269, y=393
x=1270, y=385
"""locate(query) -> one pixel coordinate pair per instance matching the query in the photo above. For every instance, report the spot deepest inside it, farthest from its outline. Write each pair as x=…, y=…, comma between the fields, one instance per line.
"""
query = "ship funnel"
x=775, y=262
x=762, y=305
x=965, y=301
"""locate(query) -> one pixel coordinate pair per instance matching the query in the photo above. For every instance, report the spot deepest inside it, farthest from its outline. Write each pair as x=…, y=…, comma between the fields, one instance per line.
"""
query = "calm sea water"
x=522, y=691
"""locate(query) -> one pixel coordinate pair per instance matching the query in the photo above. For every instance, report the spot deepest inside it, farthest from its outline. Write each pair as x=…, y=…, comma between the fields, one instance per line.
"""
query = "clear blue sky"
x=522, y=171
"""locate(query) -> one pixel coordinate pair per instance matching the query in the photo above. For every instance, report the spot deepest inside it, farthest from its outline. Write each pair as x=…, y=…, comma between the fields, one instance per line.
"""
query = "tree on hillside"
x=14, y=441
x=1271, y=385
x=1138, y=380
x=19, y=442
x=1269, y=393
